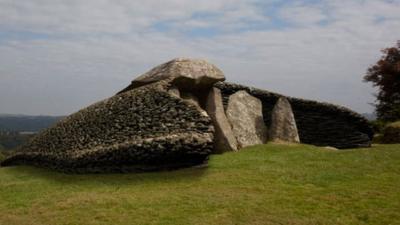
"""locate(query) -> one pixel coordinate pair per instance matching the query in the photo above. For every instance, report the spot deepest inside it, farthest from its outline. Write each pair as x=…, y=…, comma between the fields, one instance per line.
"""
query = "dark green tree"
x=385, y=75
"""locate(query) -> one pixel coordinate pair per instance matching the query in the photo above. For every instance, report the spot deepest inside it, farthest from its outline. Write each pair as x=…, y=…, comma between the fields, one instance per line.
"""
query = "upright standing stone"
x=224, y=140
x=283, y=125
x=244, y=113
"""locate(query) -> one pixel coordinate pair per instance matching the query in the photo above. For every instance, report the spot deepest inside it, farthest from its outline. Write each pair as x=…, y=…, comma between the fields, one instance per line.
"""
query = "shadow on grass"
x=134, y=178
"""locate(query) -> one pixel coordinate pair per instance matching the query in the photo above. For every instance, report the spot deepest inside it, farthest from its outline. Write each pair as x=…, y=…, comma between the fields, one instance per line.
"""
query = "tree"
x=385, y=75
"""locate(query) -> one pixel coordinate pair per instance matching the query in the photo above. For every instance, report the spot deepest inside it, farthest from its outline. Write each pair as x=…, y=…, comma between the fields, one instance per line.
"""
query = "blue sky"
x=57, y=56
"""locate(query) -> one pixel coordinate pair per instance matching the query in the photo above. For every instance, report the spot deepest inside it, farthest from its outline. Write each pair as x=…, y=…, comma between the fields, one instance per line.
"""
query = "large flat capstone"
x=244, y=113
x=184, y=73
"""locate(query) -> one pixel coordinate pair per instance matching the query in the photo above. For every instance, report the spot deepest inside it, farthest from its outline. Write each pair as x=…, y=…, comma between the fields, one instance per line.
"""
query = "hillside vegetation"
x=11, y=140
x=391, y=133
x=26, y=123
x=11, y=127
x=267, y=184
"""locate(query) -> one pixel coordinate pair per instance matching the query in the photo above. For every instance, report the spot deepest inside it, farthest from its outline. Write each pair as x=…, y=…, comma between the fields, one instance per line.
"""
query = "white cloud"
x=304, y=15
x=95, y=48
x=111, y=16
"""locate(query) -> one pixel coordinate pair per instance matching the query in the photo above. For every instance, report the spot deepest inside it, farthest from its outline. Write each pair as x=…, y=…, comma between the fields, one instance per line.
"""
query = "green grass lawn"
x=268, y=184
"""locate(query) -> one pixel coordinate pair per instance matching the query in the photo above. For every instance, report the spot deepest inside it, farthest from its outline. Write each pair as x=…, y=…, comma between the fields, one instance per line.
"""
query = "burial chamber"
x=164, y=120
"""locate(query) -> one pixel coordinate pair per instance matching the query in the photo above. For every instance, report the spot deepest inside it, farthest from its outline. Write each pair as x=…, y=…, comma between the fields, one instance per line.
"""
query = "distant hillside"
x=369, y=116
x=21, y=123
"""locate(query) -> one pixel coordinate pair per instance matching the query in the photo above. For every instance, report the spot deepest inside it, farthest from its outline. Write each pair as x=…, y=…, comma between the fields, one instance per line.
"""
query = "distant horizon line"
x=29, y=115
x=48, y=115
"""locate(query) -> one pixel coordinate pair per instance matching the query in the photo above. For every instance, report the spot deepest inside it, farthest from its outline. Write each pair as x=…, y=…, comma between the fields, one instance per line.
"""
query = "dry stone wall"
x=143, y=129
x=318, y=123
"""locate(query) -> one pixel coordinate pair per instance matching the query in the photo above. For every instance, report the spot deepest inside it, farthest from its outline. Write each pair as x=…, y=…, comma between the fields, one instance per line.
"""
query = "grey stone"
x=244, y=113
x=318, y=123
x=185, y=73
x=224, y=140
x=283, y=126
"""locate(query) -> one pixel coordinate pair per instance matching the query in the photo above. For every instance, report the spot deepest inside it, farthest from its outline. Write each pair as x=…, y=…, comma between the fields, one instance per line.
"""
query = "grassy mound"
x=267, y=184
x=391, y=133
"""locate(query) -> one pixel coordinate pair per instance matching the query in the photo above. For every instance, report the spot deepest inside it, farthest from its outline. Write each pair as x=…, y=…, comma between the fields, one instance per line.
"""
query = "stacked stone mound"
x=320, y=124
x=145, y=128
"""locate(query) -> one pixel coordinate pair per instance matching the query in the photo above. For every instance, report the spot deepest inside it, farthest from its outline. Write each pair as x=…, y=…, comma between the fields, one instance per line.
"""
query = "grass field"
x=268, y=184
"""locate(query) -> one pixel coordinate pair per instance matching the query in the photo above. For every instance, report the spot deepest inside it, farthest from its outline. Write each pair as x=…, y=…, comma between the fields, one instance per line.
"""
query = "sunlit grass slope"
x=267, y=184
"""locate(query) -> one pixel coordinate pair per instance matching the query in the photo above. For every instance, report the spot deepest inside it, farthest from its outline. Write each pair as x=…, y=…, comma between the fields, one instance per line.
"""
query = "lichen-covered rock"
x=283, y=126
x=184, y=73
x=391, y=133
x=143, y=129
x=318, y=123
x=244, y=113
x=224, y=139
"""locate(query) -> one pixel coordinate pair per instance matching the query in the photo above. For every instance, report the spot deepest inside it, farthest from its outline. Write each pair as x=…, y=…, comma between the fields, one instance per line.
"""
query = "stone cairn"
x=173, y=116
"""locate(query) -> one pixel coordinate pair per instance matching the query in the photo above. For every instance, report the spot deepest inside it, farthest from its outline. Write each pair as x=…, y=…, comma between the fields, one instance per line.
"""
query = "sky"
x=58, y=56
